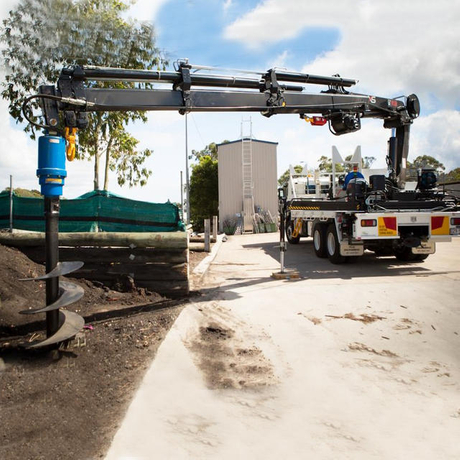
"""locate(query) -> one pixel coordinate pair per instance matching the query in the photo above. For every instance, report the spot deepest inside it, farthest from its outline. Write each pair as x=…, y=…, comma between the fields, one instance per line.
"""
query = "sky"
x=391, y=47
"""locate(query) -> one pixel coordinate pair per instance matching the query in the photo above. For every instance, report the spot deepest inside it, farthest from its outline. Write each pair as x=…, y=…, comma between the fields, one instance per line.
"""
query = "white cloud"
x=145, y=10
x=6, y=6
x=227, y=5
x=18, y=154
x=389, y=45
x=280, y=60
x=438, y=135
x=275, y=20
x=392, y=47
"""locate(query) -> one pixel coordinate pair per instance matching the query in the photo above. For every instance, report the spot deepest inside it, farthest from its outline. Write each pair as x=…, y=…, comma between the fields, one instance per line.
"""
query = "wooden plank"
x=150, y=271
x=120, y=239
x=107, y=272
x=107, y=255
x=200, y=239
x=168, y=288
x=163, y=268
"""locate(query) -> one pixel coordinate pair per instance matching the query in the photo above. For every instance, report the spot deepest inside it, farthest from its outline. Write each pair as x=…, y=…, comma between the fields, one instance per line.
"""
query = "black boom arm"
x=186, y=90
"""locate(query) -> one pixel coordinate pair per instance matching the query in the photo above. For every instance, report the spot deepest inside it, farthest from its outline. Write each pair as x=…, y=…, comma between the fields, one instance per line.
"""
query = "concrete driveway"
x=357, y=361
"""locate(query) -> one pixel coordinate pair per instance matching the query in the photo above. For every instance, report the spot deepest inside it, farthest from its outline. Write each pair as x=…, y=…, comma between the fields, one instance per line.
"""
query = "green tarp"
x=94, y=211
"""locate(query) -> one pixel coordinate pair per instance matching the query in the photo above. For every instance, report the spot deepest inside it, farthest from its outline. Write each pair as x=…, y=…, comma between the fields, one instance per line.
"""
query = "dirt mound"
x=18, y=295
x=67, y=403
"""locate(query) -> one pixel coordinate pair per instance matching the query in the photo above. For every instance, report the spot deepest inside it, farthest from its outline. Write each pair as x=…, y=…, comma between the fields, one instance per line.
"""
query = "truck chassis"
x=342, y=231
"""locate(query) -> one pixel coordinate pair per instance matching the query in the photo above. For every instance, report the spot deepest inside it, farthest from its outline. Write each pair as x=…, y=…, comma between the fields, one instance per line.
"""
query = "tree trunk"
x=96, y=152
x=96, y=171
x=107, y=164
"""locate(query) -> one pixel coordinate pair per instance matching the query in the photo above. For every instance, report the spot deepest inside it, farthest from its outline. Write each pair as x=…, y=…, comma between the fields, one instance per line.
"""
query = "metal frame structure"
x=270, y=93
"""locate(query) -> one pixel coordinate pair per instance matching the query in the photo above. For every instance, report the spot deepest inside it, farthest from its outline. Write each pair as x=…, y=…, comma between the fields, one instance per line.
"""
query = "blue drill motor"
x=51, y=165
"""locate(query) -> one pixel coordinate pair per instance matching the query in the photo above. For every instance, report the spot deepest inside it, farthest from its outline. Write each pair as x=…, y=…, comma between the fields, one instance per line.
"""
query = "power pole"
x=187, y=178
x=182, y=194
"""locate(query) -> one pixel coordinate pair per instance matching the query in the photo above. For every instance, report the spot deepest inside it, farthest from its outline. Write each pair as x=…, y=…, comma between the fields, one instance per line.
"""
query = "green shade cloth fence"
x=93, y=211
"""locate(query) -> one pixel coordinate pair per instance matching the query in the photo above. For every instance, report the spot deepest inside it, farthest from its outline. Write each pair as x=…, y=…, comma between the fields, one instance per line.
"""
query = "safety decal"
x=439, y=225
x=387, y=226
x=304, y=208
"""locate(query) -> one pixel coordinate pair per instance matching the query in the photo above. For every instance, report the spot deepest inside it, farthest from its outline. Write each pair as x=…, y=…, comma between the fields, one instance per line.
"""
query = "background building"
x=247, y=181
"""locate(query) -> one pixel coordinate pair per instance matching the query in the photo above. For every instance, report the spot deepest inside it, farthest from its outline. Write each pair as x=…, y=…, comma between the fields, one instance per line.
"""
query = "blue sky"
x=393, y=48
x=194, y=29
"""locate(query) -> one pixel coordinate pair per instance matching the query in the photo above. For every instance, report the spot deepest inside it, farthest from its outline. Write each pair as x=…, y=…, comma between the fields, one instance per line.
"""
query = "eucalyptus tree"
x=41, y=36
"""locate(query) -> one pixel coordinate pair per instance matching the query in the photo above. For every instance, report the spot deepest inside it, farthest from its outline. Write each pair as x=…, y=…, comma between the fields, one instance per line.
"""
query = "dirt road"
x=356, y=361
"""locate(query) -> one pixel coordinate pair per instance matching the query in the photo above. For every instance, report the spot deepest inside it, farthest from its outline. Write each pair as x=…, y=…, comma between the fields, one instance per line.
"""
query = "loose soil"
x=68, y=403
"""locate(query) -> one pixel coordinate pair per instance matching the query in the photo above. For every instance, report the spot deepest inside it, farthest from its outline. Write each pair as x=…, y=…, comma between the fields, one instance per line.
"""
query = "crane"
x=65, y=107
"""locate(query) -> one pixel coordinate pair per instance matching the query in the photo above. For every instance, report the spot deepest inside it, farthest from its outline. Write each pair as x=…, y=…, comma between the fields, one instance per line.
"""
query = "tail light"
x=368, y=223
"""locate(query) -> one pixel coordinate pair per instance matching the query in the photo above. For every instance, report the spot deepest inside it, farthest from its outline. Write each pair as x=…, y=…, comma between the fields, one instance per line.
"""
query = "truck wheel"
x=289, y=230
x=421, y=257
x=319, y=239
x=333, y=246
x=405, y=254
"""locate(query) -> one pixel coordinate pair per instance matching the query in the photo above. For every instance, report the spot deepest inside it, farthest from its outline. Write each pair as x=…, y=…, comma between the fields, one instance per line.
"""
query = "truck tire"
x=289, y=230
x=333, y=246
x=319, y=239
x=404, y=254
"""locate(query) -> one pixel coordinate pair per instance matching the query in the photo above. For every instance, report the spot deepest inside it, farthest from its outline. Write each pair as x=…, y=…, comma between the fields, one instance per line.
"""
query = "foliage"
x=325, y=164
x=285, y=176
x=128, y=161
x=209, y=150
x=230, y=225
x=427, y=161
x=368, y=162
x=42, y=36
x=204, y=191
x=451, y=176
x=24, y=192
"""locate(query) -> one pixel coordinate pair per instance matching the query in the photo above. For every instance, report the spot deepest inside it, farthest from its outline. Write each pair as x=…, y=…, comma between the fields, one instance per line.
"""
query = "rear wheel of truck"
x=289, y=231
x=405, y=254
x=319, y=239
x=333, y=246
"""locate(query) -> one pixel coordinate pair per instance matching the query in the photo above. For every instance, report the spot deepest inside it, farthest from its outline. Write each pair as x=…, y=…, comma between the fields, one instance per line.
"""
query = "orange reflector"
x=368, y=223
x=439, y=225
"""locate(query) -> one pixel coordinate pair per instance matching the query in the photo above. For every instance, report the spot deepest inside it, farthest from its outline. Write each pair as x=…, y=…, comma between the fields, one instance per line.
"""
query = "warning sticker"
x=440, y=225
x=387, y=226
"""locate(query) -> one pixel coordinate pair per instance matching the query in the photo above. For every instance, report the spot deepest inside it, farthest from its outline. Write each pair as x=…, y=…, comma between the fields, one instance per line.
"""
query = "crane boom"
x=270, y=93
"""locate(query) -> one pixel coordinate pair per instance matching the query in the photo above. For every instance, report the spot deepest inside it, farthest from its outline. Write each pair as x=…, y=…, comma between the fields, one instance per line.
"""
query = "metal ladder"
x=248, y=195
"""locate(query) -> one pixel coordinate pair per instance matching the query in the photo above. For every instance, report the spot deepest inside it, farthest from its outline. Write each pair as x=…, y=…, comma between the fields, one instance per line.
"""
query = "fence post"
x=207, y=235
x=214, y=228
x=11, y=204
